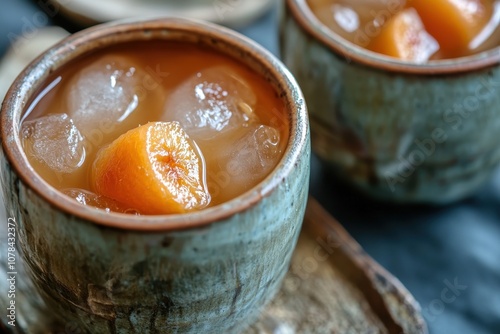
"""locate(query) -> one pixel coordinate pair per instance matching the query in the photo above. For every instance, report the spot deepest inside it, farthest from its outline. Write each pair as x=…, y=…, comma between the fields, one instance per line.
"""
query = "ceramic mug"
x=203, y=272
x=398, y=131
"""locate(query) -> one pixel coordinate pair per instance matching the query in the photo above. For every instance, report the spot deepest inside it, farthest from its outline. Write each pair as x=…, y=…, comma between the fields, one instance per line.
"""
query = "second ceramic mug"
x=398, y=131
x=204, y=272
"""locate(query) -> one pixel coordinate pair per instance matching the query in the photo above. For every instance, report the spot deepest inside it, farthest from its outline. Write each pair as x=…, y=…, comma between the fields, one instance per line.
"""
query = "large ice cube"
x=211, y=102
x=55, y=141
x=240, y=159
x=356, y=20
x=255, y=154
x=103, y=92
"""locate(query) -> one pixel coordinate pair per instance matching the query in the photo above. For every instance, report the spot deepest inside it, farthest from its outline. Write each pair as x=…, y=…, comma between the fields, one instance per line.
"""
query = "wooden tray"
x=333, y=286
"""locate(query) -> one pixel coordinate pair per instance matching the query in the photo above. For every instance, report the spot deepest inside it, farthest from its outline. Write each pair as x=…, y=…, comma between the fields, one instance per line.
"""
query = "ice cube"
x=357, y=21
x=55, y=141
x=105, y=91
x=240, y=159
x=377, y=10
x=211, y=102
x=255, y=154
x=89, y=198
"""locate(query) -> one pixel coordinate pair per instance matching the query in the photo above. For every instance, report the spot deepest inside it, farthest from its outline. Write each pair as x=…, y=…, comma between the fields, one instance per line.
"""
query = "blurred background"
x=447, y=256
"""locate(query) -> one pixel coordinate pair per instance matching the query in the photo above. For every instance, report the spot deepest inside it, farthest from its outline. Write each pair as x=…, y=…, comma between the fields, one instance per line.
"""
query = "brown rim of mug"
x=351, y=52
x=229, y=42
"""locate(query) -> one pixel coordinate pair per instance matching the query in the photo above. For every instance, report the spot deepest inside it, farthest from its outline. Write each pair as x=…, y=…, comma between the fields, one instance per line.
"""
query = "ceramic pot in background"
x=398, y=131
x=232, y=13
x=205, y=272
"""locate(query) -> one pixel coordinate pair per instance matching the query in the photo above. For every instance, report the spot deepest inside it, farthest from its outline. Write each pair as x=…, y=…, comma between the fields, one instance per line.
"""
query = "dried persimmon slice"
x=404, y=36
x=155, y=168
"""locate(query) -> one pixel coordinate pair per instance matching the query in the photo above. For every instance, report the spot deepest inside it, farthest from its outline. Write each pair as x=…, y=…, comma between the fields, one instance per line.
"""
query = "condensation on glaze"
x=417, y=146
x=100, y=278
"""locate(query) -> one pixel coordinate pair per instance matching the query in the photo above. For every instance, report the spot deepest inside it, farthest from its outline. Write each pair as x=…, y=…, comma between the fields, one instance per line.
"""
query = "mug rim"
x=351, y=52
x=74, y=46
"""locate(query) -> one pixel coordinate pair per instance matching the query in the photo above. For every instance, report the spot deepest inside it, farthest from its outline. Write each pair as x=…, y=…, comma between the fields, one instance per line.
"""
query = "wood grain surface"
x=333, y=286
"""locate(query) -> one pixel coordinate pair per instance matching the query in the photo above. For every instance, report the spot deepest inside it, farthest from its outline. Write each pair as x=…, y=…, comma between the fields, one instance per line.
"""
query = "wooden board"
x=333, y=286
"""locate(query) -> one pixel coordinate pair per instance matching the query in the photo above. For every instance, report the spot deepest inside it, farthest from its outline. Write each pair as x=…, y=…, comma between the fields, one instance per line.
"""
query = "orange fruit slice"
x=154, y=168
x=404, y=37
x=453, y=23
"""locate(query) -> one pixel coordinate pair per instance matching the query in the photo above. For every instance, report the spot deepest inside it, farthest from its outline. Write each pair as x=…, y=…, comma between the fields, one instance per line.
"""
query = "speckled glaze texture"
x=208, y=272
x=399, y=132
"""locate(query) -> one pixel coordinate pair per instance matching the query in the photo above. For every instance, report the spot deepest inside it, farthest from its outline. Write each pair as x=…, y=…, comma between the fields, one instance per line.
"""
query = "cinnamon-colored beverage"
x=154, y=128
x=414, y=30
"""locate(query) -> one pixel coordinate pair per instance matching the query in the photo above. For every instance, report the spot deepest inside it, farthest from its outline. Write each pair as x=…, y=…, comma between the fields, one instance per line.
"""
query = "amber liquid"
x=359, y=21
x=160, y=68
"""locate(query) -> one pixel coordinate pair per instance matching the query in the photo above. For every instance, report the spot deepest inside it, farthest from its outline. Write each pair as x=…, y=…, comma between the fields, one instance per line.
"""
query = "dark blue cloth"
x=18, y=18
x=448, y=257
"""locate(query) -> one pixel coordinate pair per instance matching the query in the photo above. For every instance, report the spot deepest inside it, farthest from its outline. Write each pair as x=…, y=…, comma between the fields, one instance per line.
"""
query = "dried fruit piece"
x=453, y=23
x=154, y=168
x=405, y=37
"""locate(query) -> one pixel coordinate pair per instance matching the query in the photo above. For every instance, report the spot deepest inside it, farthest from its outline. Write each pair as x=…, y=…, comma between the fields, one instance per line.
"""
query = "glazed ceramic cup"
x=398, y=131
x=203, y=272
